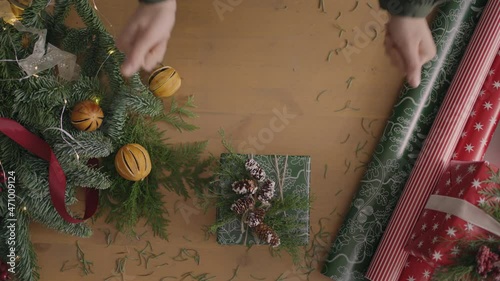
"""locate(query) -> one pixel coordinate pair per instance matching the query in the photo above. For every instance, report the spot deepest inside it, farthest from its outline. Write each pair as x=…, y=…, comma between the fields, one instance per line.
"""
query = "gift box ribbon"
x=464, y=210
x=57, y=178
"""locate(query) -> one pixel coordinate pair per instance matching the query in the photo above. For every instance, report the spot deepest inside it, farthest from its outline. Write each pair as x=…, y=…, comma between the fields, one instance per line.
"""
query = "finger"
x=155, y=56
x=427, y=50
x=135, y=58
x=412, y=62
x=127, y=36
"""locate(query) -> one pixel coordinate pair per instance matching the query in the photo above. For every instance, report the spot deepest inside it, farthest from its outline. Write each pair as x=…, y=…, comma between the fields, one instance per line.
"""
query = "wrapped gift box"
x=295, y=182
x=436, y=234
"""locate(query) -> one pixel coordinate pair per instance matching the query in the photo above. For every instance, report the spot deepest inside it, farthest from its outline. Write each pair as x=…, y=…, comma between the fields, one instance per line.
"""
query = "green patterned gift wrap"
x=289, y=214
x=400, y=144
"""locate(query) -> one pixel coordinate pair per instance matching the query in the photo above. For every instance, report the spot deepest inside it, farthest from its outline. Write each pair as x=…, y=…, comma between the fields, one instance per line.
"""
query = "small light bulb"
x=65, y=101
x=24, y=208
x=111, y=52
x=77, y=157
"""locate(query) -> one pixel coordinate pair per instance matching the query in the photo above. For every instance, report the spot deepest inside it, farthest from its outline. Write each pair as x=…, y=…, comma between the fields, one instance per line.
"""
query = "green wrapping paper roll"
x=400, y=145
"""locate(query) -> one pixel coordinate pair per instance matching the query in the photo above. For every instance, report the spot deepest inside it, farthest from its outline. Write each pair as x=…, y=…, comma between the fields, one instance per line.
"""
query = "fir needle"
x=332, y=212
x=257, y=278
x=348, y=136
x=363, y=126
x=280, y=278
x=346, y=106
x=338, y=192
x=355, y=6
x=320, y=93
x=348, y=166
x=62, y=267
x=359, y=148
x=330, y=53
x=322, y=6
x=340, y=13
x=369, y=5
x=235, y=273
x=371, y=122
x=349, y=81
x=359, y=167
x=326, y=170
x=138, y=237
x=341, y=30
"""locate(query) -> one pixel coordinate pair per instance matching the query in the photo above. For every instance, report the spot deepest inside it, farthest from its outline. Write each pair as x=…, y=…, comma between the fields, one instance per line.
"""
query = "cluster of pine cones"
x=246, y=206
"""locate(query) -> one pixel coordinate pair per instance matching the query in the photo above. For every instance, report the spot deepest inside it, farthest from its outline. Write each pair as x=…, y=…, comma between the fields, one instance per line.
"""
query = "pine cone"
x=244, y=187
x=255, y=217
x=255, y=170
x=266, y=192
x=266, y=233
x=242, y=205
x=251, y=164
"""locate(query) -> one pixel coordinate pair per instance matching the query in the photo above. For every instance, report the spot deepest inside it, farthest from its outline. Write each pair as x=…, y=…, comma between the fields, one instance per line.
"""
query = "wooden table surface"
x=246, y=65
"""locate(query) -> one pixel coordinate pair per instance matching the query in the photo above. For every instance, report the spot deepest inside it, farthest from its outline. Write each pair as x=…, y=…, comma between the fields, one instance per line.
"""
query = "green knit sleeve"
x=410, y=8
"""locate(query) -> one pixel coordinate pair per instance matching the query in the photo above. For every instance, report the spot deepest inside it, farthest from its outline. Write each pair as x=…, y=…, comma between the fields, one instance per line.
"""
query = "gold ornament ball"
x=132, y=162
x=164, y=82
x=87, y=116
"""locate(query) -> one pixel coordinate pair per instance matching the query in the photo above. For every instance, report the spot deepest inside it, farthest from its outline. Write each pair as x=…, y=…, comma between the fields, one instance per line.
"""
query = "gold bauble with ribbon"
x=164, y=82
x=132, y=162
x=18, y=6
x=87, y=116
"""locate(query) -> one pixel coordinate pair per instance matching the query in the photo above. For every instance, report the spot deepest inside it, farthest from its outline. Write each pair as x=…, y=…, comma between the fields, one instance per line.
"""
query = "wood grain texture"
x=260, y=58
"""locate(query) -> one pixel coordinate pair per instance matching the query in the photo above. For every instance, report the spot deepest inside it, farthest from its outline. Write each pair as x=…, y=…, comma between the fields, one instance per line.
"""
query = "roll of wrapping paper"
x=390, y=257
x=400, y=144
x=472, y=146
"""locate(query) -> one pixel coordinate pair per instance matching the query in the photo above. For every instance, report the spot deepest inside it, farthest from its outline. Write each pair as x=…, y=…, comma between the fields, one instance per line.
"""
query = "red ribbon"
x=57, y=178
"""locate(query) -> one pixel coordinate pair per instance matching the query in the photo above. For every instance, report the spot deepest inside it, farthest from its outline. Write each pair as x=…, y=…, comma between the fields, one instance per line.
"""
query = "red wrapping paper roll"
x=483, y=119
x=390, y=258
x=472, y=146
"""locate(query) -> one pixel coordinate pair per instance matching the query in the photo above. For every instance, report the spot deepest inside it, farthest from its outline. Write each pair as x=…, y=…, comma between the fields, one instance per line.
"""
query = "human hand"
x=410, y=45
x=144, y=39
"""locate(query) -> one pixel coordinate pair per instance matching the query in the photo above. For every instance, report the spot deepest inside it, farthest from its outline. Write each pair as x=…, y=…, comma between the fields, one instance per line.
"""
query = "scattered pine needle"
x=235, y=273
x=329, y=56
x=320, y=94
x=363, y=126
x=348, y=136
x=355, y=6
x=349, y=81
x=348, y=166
